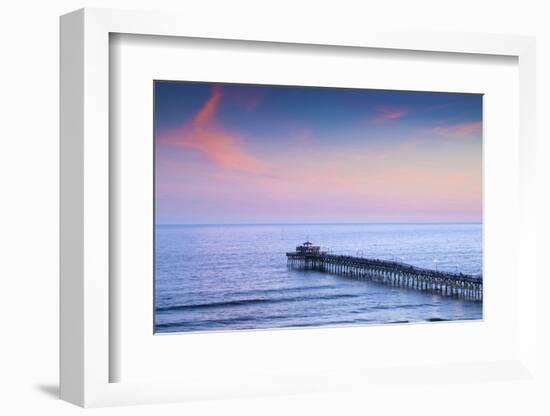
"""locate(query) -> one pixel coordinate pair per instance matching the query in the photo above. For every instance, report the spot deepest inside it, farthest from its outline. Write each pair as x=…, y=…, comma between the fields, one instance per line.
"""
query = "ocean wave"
x=244, y=302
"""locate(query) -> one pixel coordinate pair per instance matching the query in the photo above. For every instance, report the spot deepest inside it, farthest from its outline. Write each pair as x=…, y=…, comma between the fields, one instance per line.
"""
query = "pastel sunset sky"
x=233, y=153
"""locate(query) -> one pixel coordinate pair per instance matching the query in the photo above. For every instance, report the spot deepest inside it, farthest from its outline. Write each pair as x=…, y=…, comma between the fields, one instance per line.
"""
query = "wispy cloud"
x=384, y=114
x=205, y=135
x=461, y=129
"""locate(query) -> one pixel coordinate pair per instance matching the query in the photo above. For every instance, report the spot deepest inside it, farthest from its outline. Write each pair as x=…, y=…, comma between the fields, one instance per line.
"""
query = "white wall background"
x=29, y=206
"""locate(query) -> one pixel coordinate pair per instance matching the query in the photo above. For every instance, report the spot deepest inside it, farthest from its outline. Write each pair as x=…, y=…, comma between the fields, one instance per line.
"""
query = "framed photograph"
x=273, y=212
x=389, y=182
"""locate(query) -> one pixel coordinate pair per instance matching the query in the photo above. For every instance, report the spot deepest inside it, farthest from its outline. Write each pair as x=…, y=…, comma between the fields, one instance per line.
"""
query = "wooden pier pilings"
x=390, y=272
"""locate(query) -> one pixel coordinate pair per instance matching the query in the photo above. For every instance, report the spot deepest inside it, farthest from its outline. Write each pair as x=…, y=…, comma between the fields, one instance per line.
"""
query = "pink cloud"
x=205, y=135
x=462, y=129
x=385, y=114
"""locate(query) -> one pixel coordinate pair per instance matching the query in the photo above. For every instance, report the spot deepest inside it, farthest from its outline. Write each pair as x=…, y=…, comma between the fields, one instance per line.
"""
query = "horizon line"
x=327, y=223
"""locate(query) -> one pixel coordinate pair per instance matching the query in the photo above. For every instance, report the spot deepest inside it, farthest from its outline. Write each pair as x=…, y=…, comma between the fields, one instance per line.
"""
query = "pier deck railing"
x=392, y=273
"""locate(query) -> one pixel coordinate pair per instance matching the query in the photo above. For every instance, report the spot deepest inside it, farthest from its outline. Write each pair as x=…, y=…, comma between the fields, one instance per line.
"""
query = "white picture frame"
x=86, y=265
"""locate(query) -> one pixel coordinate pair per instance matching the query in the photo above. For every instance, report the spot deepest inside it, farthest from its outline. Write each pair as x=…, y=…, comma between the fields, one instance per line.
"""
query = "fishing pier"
x=310, y=257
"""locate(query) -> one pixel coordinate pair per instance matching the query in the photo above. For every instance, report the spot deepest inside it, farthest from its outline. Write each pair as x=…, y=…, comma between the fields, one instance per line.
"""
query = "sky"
x=248, y=154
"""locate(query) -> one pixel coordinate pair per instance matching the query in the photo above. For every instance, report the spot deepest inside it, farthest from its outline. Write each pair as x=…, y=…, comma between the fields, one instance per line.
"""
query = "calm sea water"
x=230, y=277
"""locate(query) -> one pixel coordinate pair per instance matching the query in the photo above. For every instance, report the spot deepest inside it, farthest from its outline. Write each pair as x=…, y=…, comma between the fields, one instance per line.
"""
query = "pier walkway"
x=310, y=257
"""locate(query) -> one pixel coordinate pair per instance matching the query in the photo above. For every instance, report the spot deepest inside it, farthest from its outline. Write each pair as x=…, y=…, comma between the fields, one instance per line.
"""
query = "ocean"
x=235, y=277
